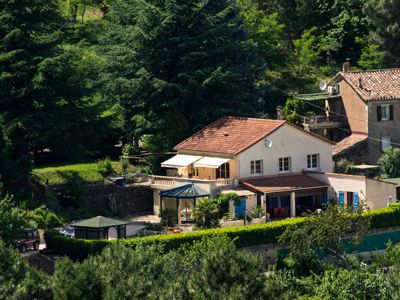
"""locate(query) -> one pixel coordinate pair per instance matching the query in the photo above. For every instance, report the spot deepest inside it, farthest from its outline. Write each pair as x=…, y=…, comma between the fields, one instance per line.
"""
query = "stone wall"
x=357, y=154
x=127, y=200
x=377, y=130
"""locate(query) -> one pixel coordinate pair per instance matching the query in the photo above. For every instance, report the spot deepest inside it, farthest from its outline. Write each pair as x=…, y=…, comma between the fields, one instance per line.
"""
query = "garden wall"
x=126, y=200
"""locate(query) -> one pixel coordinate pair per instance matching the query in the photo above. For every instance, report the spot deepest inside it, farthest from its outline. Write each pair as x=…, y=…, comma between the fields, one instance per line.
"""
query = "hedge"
x=243, y=236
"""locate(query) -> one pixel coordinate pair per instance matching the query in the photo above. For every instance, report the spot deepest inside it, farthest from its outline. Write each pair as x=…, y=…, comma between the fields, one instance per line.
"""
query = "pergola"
x=97, y=228
x=188, y=191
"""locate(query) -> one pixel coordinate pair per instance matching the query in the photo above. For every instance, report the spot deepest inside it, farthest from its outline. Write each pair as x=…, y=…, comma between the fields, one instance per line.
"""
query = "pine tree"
x=384, y=15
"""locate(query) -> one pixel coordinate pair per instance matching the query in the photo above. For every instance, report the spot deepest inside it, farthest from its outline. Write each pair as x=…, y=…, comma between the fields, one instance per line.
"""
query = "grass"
x=56, y=174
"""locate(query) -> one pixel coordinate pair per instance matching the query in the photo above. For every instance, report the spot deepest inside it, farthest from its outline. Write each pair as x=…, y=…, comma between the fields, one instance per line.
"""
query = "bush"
x=343, y=166
x=385, y=217
x=242, y=235
x=104, y=167
x=73, y=248
x=168, y=216
x=44, y=218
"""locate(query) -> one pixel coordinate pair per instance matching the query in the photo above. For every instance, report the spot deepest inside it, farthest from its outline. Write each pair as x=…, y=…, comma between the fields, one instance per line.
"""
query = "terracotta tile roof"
x=232, y=135
x=282, y=183
x=374, y=85
x=348, y=143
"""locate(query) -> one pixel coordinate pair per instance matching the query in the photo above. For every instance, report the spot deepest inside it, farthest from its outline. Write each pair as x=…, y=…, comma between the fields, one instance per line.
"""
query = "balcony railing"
x=169, y=181
x=322, y=121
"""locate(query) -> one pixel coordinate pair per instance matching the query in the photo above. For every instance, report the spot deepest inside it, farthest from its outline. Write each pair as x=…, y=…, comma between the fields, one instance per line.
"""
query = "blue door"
x=241, y=208
x=341, y=198
x=355, y=201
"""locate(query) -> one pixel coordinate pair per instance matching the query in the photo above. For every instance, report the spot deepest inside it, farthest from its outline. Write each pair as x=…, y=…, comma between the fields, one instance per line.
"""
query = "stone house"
x=362, y=113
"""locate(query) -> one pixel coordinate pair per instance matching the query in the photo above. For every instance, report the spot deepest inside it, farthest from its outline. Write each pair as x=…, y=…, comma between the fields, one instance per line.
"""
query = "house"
x=263, y=160
x=269, y=163
x=362, y=110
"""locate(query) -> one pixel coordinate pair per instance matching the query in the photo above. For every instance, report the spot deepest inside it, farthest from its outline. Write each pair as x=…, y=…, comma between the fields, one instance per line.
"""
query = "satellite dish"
x=322, y=85
x=268, y=143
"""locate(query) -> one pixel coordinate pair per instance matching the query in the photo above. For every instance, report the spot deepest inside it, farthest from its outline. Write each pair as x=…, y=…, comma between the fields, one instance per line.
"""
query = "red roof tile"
x=373, y=85
x=282, y=183
x=348, y=143
x=232, y=135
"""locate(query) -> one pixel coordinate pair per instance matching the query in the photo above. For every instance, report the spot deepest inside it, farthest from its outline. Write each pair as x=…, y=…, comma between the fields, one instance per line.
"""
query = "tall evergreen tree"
x=27, y=39
x=384, y=15
x=45, y=99
x=179, y=64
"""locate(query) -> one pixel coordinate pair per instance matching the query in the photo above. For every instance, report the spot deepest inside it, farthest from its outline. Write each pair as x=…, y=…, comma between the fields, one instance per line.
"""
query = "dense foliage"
x=76, y=76
x=211, y=268
x=389, y=163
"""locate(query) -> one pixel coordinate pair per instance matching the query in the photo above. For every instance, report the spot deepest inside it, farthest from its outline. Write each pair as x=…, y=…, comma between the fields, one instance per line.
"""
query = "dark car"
x=29, y=239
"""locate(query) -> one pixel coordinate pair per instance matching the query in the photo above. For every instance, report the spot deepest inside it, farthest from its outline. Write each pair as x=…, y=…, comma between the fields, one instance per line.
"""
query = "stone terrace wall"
x=127, y=200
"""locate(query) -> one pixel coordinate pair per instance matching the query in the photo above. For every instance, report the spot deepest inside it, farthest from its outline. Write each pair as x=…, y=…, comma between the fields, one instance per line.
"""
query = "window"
x=223, y=171
x=284, y=164
x=385, y=142
x=256, y=166
x=384, y=112
x=196, y=172
x=313, y=161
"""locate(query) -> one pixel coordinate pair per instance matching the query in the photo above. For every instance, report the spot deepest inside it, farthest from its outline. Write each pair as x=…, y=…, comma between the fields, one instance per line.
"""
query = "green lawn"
x=58, y=173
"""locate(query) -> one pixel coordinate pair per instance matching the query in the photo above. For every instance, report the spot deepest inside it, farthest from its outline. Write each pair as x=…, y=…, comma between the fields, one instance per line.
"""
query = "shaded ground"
x=42, y=262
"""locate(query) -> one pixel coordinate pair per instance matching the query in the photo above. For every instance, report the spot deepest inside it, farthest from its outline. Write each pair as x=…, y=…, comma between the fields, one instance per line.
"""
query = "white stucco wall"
x=343, y=183
x=286, y=141
x=375, y=193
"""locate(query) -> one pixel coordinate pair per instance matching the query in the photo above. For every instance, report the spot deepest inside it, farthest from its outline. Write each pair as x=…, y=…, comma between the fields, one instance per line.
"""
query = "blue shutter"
x=355, y=201
x=241, y=208
x=341, y=198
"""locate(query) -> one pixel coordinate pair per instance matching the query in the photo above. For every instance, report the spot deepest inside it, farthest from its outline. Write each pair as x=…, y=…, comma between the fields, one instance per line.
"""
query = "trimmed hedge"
x=243, y=236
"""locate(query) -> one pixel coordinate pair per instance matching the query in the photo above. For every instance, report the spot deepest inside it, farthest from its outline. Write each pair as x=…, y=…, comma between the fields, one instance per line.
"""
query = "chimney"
x=346, y=65
x=279, y=115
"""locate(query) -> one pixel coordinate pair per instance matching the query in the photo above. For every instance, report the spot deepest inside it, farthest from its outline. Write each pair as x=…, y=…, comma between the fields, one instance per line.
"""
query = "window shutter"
x=341, y=198
x=355, y=201
x=379, y=113
x=391, y=112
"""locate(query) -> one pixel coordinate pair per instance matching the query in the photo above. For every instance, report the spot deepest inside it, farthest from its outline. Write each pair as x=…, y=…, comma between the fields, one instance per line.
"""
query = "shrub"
x=45, y=218
x=104, y=167
x=384, y=217
x=168, y=216
x=73, y=248
x=343, y=166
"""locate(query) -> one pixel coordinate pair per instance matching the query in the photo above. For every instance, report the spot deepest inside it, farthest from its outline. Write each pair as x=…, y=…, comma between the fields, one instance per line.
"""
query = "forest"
x=77, y=76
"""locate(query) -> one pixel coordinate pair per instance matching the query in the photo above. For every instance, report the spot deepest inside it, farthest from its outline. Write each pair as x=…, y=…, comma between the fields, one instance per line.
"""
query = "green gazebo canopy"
x=99, y=222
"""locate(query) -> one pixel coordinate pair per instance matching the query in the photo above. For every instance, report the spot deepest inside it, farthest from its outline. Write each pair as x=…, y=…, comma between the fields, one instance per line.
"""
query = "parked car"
x=67, y=231
x=29, y=239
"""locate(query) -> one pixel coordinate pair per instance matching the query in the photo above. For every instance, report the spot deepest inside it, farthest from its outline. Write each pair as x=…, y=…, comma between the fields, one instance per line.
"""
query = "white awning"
x=210, y=162
x=180, y=160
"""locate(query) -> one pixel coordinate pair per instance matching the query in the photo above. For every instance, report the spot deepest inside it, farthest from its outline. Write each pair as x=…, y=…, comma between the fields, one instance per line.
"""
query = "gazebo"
x=188, y=191
x=97, y=228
